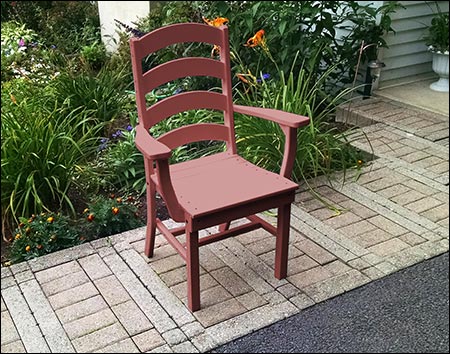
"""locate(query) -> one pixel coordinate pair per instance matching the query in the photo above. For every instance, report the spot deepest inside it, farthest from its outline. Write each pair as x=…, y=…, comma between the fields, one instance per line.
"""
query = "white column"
x=124, y=11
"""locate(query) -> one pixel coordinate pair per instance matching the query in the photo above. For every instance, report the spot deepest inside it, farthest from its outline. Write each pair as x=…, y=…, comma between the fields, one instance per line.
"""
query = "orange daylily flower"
x=218, y=21
x=257, y=39
x=115, y=210
x=50, y=219
x=90, y=217
x=28, y=248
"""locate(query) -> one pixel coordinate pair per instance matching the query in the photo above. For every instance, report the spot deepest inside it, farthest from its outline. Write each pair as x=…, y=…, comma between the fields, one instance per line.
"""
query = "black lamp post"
x=373, y=71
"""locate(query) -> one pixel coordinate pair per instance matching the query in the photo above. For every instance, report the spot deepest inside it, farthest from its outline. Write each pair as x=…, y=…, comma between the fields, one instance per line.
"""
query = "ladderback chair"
x=217, y=189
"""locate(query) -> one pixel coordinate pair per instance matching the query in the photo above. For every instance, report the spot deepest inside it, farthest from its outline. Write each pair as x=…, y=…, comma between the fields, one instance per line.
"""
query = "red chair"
x=212, y=190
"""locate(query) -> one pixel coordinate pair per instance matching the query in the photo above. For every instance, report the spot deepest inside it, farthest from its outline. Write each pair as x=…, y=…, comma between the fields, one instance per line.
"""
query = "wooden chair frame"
x=271, y=191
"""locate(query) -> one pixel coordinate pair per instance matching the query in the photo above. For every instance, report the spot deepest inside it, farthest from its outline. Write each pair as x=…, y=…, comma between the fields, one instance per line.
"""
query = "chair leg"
x=151, y=220
x=193, y=270
x=282, y=242
x=224, y=227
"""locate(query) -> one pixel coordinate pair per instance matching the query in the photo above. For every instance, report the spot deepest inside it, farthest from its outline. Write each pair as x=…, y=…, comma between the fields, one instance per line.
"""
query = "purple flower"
x=22, y=42
x=53, y=46
x=117, y=134
x=178, y=90
x=129, y=128
x=264, y=77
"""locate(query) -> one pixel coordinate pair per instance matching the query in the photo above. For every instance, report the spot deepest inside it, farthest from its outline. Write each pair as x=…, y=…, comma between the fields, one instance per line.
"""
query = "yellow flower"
x=115, y=210
x=28, y=248
x=50, y=219
x=86, y=211
x=17, y=236
x=119, y=200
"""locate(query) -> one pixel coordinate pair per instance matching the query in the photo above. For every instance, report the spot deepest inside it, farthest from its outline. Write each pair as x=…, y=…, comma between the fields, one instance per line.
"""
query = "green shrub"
x=41, y=234
x=108, y=216
x=41, y=150
x=321, y=148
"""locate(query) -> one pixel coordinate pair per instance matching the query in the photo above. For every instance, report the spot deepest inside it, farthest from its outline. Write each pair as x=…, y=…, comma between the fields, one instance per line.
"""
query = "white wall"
x=124, y=11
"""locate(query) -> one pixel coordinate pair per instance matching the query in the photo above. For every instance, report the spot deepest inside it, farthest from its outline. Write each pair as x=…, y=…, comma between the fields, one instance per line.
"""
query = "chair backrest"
x=145, y=82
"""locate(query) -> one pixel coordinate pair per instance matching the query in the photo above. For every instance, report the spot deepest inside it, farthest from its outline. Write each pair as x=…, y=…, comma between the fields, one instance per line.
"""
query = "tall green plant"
x=321, y=148
x=41, y=149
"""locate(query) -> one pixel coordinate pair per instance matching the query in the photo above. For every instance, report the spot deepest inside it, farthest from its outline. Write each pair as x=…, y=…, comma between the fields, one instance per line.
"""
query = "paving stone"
x=438, y=213
x=174, y=336
x=386, y=267
x=24, y=276
x=162, y=349
x=72, y=296
x=90, y=323
x=352, y=279
x=249, y=321
x=310, y=276
x=179, y=313
x=358, y=228
x=65, y=282
x=302, y=301
x=112, y=290
x=8, y=330
x=19, y=267
x=57, y=272
x=412, y=239
x=192, y=329
x=359, y=264
x=185, y=347
x=314, y=251
x=131, y=317
x=262, y=246
x=252, y=300
x=373, y=273
x=324, y=290
x=423, y=204
x=253, y=236
x=337, y=267
x=99, y=339
x=231, y=281
x=168, y=263
x=51, y=328
x=141, y=295
x=253, y=262
x=60, y=257
x=300, y=264
x=388, y=247
x=6, y=272
x=13, y=347
x=408, y=197
x=288, y=290
x=224, y=310
x=373, y=237
x=148, y=340
x=387, y=225
x=344, y=219
x=3, y=305
x=208, y=260
x=94, y=267
x=269, y=257
x=81, y=309
x=393, y=191
x=8, y=282
x=206, y=282
x=26, y=325
x=124, y=346
x=372, y=259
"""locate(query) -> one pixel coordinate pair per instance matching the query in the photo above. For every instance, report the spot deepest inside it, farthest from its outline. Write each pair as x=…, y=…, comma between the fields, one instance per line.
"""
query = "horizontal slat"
x=193, y=133
x=184, y=102
x=180, y=68
x=177, y=33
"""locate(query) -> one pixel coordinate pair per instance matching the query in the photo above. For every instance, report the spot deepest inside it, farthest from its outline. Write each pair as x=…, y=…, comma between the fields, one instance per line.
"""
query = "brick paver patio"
x=106, y=296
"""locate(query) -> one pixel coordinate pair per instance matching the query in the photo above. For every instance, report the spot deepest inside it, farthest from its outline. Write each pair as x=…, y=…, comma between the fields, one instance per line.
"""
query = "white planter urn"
x=440, y=67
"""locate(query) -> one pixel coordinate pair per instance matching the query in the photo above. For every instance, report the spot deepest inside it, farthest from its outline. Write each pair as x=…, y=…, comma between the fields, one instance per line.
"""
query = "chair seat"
x=223, y=181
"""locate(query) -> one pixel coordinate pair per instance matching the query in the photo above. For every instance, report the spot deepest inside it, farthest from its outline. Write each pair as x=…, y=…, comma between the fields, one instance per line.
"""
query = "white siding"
x=407, y=55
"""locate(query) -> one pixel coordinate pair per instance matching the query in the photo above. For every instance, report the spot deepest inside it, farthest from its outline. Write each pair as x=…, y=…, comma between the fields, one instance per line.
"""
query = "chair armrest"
x=286, y=119
x=149, y=146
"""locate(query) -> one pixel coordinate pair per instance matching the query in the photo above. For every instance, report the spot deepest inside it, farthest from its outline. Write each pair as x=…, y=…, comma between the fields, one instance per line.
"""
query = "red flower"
x=90, y=217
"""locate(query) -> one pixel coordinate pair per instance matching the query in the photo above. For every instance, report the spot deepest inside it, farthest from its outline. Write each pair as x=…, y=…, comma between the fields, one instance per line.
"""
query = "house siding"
x=407, y=57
